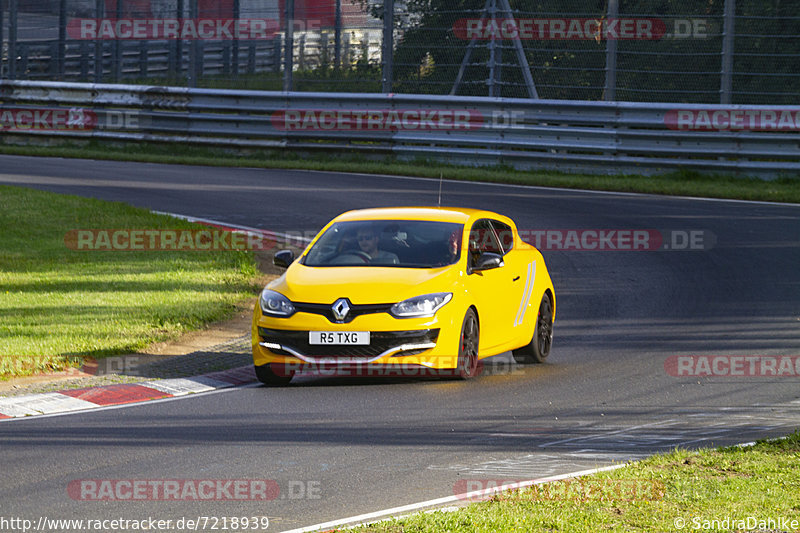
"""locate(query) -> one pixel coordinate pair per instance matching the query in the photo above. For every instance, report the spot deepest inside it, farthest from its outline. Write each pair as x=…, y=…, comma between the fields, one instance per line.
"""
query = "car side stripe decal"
x=532, y=276
x=523, y=306
x=530, y=291
x=524, y=293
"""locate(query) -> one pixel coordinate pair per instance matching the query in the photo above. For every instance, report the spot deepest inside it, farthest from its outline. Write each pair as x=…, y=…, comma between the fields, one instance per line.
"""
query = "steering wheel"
x=362, y=254
x=351, y=257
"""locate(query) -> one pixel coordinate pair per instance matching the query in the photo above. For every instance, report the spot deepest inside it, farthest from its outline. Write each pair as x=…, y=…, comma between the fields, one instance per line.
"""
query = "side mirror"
x=283, y=259
x=488, y=261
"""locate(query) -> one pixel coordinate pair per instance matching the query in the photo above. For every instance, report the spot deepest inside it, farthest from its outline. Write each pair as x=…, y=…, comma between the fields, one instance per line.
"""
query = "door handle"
x=515, y=279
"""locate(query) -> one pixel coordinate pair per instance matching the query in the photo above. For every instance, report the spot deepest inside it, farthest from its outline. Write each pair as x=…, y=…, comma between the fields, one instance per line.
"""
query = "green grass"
x=59, y=305
x=682, y=183
x=762, y=482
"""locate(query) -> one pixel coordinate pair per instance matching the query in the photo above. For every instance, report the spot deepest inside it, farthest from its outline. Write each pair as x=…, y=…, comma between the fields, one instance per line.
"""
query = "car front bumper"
x=430, y=342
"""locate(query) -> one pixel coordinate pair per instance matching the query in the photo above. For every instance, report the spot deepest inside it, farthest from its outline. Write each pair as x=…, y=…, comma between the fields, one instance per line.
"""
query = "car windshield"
x=393, y=243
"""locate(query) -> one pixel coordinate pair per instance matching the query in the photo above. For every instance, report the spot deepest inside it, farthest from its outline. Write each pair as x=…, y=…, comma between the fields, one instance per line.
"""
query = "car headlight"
x=275, y=304
x=421, y=306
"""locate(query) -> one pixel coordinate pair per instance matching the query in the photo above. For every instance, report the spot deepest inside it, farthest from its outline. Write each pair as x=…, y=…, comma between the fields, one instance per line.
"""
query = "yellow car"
x=428, y=289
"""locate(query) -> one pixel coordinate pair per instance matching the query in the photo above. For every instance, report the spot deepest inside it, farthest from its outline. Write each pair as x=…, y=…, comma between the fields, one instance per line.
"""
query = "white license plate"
x=350, y=338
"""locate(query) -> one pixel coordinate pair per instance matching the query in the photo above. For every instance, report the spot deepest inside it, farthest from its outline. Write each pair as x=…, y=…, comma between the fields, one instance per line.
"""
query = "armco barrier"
x=598, y=137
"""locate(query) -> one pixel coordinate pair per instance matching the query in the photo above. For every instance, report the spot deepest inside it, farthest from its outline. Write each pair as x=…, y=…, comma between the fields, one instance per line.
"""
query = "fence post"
x=288, y=51
x=143, y=59
x=235, y=45
x=728, y=34
x=347, y=55
x=2, y=27
x=62, y=37
x=276, y=53
x=494, y=62
x=337, y=36
x=301, y=52
x=194, y=49
x=12, y=39
x=180, y=9
x=251, y=57
x=324, y=53
x=388, y=46
x=85, y=47
x=610, y=94
x=98, y=44
x=117, y=66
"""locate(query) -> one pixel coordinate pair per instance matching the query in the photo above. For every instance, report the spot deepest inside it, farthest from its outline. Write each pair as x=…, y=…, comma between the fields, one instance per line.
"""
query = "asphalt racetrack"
x=712, y=278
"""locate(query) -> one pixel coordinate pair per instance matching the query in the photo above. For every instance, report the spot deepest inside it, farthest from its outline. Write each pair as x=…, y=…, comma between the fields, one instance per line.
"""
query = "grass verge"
x=678, y=491
x=59, y=305
x=682, y=183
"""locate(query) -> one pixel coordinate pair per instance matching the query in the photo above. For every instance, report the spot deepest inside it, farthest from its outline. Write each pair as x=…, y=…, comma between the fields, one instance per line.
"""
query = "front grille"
x=326, y=310
x=379, y=342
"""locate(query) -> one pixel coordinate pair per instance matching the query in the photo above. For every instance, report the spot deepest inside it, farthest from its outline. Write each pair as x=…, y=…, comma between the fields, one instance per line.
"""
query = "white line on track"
x=482, y=183
x=616, y=432
x=439, y=503
x=456, y=498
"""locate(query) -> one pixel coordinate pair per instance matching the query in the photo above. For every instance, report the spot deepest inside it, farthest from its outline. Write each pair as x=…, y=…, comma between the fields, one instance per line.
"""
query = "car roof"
x=441, y=214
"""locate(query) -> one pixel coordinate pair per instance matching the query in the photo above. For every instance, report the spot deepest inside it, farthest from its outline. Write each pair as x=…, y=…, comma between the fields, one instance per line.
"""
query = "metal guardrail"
x=596, y=137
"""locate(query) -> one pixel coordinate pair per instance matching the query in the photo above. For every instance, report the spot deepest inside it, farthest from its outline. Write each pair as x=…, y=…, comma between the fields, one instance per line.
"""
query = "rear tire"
x=538, y=349
x=268, y=376
x=468, y=347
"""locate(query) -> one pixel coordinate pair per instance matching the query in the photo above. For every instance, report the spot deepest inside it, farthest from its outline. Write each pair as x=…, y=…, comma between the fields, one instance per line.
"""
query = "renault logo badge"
x=340, y=309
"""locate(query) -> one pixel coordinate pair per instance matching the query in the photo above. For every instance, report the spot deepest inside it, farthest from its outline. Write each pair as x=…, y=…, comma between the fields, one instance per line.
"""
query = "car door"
x=522, y=269
x=495, y=290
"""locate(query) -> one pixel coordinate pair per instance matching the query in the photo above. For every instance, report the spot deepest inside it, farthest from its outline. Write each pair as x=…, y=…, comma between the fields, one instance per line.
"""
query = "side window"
x=482, y=238
x=505, y=234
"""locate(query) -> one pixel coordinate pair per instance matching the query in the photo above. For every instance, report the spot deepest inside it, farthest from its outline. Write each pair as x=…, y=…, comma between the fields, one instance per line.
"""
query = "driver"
x=368, y=243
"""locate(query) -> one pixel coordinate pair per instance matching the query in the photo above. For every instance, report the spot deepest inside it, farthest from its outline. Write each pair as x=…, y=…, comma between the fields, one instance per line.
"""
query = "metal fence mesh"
x=708, y=51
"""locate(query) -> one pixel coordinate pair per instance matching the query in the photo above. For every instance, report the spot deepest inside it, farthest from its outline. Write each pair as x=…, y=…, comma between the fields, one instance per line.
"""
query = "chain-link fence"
x=708, y=51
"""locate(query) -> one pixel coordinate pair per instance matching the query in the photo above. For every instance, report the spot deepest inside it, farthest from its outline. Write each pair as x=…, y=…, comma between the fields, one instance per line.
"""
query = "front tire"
x=268, y=376
x=538, y=349
x=468, y=346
